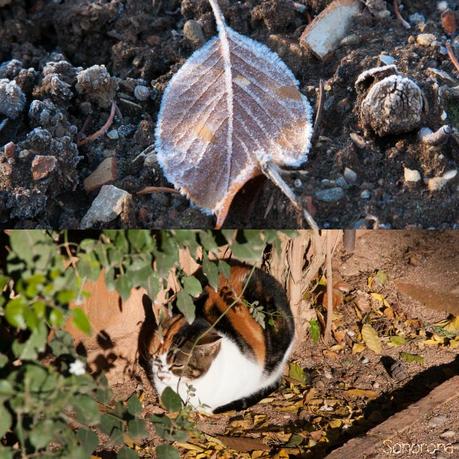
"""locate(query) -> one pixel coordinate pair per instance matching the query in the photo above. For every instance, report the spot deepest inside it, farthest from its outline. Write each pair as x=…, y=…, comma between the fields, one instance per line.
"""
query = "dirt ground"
x=46, y=44
x=348, y=389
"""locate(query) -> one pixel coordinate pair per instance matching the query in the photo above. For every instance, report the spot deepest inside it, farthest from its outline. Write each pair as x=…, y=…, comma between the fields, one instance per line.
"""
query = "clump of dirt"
x=68, y=61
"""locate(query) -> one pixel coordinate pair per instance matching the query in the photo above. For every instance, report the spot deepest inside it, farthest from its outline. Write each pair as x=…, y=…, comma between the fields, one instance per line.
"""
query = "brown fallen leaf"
x=243, y=444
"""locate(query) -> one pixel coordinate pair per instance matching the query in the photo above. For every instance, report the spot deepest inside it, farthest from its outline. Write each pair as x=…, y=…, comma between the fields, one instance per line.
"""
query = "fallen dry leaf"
x=232, y=112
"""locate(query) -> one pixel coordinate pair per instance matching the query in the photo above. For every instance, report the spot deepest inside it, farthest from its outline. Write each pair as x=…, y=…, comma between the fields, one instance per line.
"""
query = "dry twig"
x=157, y=189
x=452, y=55
x=102, y=130
x=399, y=16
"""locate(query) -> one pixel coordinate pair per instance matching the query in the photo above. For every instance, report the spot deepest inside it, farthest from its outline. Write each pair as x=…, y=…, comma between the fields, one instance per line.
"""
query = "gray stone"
x=330, y=195
x=107, y=205
x=350, y=175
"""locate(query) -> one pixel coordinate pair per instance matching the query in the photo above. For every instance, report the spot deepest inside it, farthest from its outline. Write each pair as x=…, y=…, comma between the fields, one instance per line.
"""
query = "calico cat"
x=225, y=359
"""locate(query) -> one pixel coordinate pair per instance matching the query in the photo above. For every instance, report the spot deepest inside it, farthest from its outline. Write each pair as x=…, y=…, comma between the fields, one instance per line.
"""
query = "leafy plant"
x=49, y=404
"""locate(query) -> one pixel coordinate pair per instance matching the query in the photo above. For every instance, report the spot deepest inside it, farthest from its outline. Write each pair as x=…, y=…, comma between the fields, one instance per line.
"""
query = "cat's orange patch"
x=238, y=315
x=161, y=343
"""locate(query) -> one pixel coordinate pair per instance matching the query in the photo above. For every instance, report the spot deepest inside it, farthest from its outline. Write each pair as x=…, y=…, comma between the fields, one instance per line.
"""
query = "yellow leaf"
x=282, y=454
x=454, y=343
x=310, y=395
x=189, y=446
x=358, y=347
x=378, y=297
x=453, y=325
x=256, y=454
x=335, y=423
x=361, y=393
x=371, y=338
x=435, y=340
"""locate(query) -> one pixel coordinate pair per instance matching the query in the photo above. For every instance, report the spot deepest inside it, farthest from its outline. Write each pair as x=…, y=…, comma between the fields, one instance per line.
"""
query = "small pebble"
x=330, y=195
x=416, y=18
x=341, y=182
x=142, y=93
x=425, y=39
x=12, y=99
x=42, y=166
x=437, y=421
x=113, y=134
x=448, y=435
x=365, y=194
x=350, y=175
x=386, y=59
x=297, y=183
x=411, y=175
x=193, y=32
x=350, y=40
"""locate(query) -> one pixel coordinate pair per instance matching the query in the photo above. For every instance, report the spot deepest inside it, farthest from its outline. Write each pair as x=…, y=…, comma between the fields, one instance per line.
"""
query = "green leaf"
x=5, y=453
x=136, y=428
x=152, y=285
x=14, y=313
x=171, y=400
x=36, y=343
x=314, y=330
x=381, y=278
x=5, y=420
x=3, y=360
x=192, y=286
x=134, y=406
x=81, y=320
x=123, y=287
x=127, y=453
x=207, y=240
x=86, y=409
x=39, y=379
x=56, y=318
x=88, y=440
x=167, y=452
x=112, y=426
x=297, y=373
x=186, y=306
x=397, y=340
x=140, y=240
x=42, y=434
x=411, y=358
x=35, y=247
x=224, y=268
x=210, y=269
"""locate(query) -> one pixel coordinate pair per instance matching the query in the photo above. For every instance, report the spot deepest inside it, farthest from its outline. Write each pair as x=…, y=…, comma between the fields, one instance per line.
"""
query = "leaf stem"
x=272, y=171
x=219, y=18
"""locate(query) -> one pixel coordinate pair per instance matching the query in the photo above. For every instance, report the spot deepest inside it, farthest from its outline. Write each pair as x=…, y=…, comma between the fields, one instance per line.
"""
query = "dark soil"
x=141, y=43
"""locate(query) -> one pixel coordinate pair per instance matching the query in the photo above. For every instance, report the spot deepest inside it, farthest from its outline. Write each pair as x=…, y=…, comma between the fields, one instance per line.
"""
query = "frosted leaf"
x=232, y=112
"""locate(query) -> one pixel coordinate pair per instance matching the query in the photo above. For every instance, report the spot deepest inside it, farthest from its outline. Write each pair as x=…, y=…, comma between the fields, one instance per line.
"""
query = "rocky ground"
x=67, y=68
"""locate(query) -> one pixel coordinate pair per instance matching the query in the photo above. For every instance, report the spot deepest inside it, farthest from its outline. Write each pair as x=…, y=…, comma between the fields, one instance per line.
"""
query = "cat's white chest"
x=230, y=377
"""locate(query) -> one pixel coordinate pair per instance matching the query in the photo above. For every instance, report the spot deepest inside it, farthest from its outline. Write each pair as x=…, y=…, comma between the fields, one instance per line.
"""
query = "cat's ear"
x=209, y=344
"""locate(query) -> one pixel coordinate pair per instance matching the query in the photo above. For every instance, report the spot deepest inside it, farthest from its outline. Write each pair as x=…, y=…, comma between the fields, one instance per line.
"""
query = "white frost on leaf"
x=233, y=106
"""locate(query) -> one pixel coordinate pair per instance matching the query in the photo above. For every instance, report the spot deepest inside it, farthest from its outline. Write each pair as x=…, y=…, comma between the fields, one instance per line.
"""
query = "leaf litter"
x=232, y=112
x=330, y=390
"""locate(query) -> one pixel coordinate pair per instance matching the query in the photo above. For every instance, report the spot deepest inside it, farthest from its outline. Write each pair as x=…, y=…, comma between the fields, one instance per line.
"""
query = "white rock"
x=442, y=6
x=425, y=39
x=437, y=183
x=326, y=31
x=350, y=175
x=108, y=204
x=386, y=59
x=411, y=175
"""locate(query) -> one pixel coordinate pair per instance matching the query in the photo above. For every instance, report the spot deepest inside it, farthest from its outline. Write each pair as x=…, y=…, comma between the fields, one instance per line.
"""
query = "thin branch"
x=399, y=16
x=319, y=113
x=157, y=189
x=452, y=55
x=328, y=267
x=271, y=170
x=102, y=131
